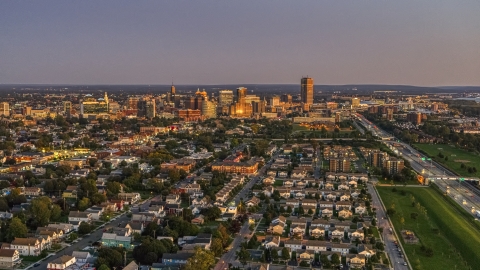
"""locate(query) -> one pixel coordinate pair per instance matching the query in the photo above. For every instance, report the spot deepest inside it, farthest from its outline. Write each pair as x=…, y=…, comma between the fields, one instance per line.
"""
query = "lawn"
x=453, y=239
x=455, y=157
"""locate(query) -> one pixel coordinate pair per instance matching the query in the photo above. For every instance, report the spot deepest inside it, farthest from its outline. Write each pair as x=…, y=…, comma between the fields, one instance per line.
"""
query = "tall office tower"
x=241, y=94
x=172, y=90
x=355, y=102
x=208, y=109
x=132, y=103
x=306, y=90
x=4, y=109
x=258, y=106
x=150, y=108
x=189, y=103
x=225, y=97
x=67, y=108
x=274, y=101
x=286, y=98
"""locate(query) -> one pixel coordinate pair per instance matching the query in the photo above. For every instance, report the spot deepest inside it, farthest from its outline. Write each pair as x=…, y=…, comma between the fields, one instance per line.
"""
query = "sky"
x=410, y=42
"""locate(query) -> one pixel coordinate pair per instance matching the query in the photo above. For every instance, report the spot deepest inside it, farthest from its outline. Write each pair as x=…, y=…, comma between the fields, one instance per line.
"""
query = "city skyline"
x=407, y=43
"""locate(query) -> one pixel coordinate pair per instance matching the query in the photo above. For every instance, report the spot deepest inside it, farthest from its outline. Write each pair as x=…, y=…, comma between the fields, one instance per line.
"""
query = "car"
x=36, y=265
x=405, y=263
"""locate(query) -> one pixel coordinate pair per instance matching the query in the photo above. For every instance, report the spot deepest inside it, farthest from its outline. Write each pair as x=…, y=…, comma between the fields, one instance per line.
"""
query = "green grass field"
x=453, y=239
x=455, y=157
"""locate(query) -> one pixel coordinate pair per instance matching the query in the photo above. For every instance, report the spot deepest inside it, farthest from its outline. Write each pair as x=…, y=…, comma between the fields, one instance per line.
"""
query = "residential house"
x=82, y=257
x=65, y=227
x=358, y=261
x=272, y=242
x=270, y=180
x=129, y=197
x=63, y=263
x=337, y=234
x=316, y=246
x=27, y=246
x=344, y=213
x=306, y=255
x=9, y=258
x=174, y=259
x=358, y=234
x=96, y=212
x=326, y=212
x=33, y=191
x=75, y=218
x=294, y=245
x=341, y=248
x=253, y=202
x=113, y=240
x=6, y=215
x=199, y=220
x=276, y=229
x=298, y=229
x=343, y=205
x=317, y=232
x=360, y=209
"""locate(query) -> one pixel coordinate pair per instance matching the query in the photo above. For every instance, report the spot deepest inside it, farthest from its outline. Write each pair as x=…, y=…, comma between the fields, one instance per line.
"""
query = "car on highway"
x=36, y=265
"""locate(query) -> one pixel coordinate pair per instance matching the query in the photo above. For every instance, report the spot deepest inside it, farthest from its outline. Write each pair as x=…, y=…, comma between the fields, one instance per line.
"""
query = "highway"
x=464, y=194
x=460, y=192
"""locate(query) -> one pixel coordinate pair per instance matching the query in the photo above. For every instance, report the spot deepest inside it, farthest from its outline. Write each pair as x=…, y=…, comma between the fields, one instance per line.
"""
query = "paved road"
x=86, y=241
x=388, y=237
x=96, y=235
x=230, y=256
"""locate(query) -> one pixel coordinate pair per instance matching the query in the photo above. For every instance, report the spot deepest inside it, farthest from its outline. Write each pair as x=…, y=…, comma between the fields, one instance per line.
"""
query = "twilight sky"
x=414, y=42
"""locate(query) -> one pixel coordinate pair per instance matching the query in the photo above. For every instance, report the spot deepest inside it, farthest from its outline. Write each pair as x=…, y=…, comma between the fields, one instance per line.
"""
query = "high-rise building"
x=241, y=94
x=208, y=109
x=393, y=165
x=150, y=108
x=286, y=98
x=258, y=106
x=390, y=114
x=225, y=97
x=5, y=109
x=376, y=158
x=339, y=165
x=306, y=90
x=415, y=118
x=355, y=102
x=274, y=101
x=67, y=108
x=172, y=90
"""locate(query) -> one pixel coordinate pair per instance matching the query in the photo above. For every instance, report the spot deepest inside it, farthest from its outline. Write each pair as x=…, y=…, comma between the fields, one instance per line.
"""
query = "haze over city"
x=422, y=43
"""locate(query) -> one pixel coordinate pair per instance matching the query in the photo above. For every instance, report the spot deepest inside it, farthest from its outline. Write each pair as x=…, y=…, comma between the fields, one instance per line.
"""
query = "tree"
x=55, y=212
x=84, y=228
x=335, y=259
x=243, y=256
x=41, y=212
x=84, y=204
x=103, y=267
x=217, y=247
x=285, y=254
x=274, y=255
x=201, y=260
x=16, y=229
x=110, y=257
x=73, y=236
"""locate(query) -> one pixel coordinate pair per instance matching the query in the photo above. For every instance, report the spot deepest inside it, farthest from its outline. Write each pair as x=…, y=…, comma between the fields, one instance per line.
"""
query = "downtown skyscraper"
x=306, y=90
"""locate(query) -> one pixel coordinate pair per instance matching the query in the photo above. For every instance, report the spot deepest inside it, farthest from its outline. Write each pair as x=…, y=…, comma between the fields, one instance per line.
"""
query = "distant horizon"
x=238, y=84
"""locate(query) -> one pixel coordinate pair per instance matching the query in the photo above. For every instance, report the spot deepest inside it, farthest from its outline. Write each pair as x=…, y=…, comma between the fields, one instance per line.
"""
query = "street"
x=390, y=248
x=231, y=255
